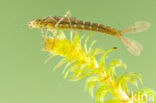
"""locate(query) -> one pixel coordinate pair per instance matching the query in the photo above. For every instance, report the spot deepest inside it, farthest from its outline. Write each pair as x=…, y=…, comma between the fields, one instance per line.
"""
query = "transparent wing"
x=133, y=46
x=137, y=27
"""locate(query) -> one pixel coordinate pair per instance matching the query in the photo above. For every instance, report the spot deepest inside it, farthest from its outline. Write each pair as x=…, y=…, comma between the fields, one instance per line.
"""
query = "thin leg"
x=54, y=30
x=46, y=33
x=42, y=34
x=67, y=13
x=72, y=31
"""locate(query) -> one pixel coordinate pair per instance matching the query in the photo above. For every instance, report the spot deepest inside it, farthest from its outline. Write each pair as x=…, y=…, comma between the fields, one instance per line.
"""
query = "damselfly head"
x=33, y=24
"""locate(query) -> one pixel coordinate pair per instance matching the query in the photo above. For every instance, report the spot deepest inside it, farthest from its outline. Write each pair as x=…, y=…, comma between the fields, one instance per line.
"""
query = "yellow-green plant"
x=81, y=62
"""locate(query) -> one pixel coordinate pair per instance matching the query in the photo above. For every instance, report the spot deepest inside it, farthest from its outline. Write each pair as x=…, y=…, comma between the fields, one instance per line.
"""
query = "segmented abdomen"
x=74, y=23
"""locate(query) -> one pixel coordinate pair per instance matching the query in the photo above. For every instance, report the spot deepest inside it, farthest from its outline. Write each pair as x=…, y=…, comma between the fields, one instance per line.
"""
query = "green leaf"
x=67, y=65
x=84, y=73
x=96, y=51
x=61, y=34
x=77, y=71
x=102, y=60
x=69, y=70
x=51, y=55
x=90, y=48
x=131, y=77
x=71, y=35
x=117, y=63
x=85, y=43
x=76, y=40
x=61, y=62
x=90, y=83
x=101, y=92
x=113, y=65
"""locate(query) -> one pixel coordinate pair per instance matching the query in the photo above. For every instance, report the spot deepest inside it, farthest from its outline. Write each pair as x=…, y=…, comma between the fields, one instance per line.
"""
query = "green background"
x=24, y=78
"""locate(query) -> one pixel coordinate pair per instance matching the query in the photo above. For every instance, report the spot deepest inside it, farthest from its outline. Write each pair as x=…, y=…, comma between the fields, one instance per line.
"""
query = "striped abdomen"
x=68, y=23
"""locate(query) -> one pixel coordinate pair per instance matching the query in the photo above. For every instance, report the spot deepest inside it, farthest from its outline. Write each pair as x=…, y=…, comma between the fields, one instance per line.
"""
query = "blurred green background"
x=24, y=78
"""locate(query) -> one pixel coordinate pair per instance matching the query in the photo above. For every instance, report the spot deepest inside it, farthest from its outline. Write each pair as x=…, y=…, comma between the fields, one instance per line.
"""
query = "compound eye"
x=31, y=24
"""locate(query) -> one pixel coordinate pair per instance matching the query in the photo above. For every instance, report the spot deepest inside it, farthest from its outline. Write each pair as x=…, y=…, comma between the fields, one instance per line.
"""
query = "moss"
x=83, y=63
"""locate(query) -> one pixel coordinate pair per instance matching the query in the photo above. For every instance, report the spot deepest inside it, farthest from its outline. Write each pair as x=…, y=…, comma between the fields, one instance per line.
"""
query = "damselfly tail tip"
x=136, y=27
x=133, y=46
x=142, y=25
